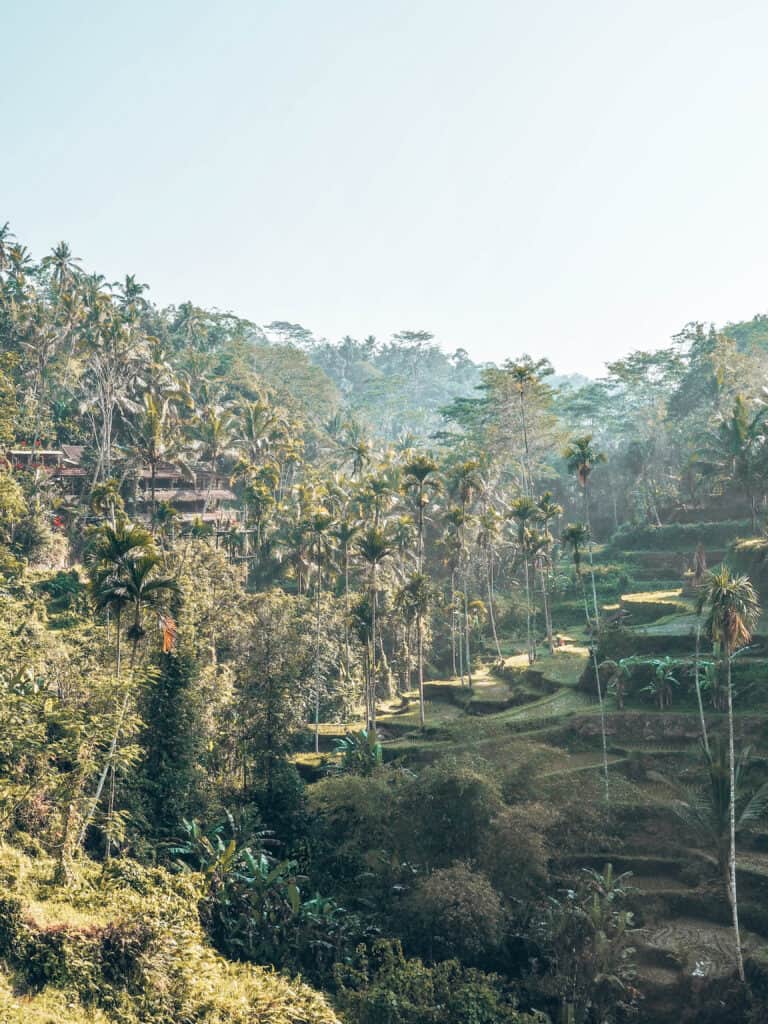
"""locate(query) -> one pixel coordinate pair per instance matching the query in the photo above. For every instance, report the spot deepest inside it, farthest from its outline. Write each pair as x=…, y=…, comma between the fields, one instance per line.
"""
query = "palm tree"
x=374, y=547
x=525, y=512
x=581, y=458
x=116, y=545
x=549, y=511
x=413, y=600
x=153, y=438
x=214, y=435
x=732, y=612
x=466, y=482
x=319, y=522
x=489, y=531
x=524, y=374
x=122, y=575
x=419, y=475
x=344, y=533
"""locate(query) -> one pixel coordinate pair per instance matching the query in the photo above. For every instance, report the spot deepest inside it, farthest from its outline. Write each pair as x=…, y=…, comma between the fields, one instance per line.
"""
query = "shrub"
x=383, y=987
x=447, y=811
x=457, y=912
x=676, y=536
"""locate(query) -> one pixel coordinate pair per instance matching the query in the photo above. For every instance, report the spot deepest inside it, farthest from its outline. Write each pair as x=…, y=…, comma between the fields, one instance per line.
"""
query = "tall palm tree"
x=374, y=547
x=524, y=376
x=524, y=512
x=344, y=533
x=581, y=457
x=549, y=511
x=116, y=545
x=466, y=483
x=413, y=600
x=319, y=522
x=420, y=476
x=732, y=612
x=488, y=534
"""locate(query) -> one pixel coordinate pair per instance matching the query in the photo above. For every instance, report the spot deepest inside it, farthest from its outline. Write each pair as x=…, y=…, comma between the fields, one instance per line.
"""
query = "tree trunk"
x=589, y=548
x=420, y=657
x=547, y=616
x=732, y=827
x=491, y=612
x=704, y=736
x=317, y=662
x=603, y=733
x=453, y=624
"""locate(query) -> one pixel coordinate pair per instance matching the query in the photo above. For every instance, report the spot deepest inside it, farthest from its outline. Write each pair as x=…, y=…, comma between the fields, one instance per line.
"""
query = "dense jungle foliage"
x=356, y=681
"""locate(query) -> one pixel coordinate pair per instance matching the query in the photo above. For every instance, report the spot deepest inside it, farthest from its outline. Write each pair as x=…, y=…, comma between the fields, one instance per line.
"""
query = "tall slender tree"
x=732, y=611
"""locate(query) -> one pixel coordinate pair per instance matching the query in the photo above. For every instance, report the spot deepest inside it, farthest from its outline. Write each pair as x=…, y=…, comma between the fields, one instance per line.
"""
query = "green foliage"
x=456, y=912
x=359, y=752
x=676, y=536
x=381, y=986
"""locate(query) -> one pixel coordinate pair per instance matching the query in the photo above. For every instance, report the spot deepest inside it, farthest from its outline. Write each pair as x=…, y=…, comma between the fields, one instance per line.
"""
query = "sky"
x=572, y=180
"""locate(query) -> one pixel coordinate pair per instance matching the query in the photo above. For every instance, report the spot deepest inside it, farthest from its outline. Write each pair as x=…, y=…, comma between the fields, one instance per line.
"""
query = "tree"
x=581, y=457
x=732, y=611
x=374, y=547
x=420, y=475
x=320, y=521
x=413, y=600
x=152, y=437
x=525, y=513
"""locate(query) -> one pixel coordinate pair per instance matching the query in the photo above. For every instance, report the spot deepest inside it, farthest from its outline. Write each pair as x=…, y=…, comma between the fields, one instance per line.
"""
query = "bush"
x=516, y=852
x=456, y=912
x=383, y=987
x=676, y=536
x=447, y=811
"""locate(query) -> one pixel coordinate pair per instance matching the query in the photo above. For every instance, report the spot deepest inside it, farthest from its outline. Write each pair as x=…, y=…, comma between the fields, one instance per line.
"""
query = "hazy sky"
x=571, y=179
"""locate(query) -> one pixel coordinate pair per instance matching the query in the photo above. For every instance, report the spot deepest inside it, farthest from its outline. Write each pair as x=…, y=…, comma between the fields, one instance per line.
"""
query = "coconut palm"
x=732, y=611
x=581, y=457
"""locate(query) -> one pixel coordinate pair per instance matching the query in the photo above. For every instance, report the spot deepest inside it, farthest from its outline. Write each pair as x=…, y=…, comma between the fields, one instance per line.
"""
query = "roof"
x=73, y=452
